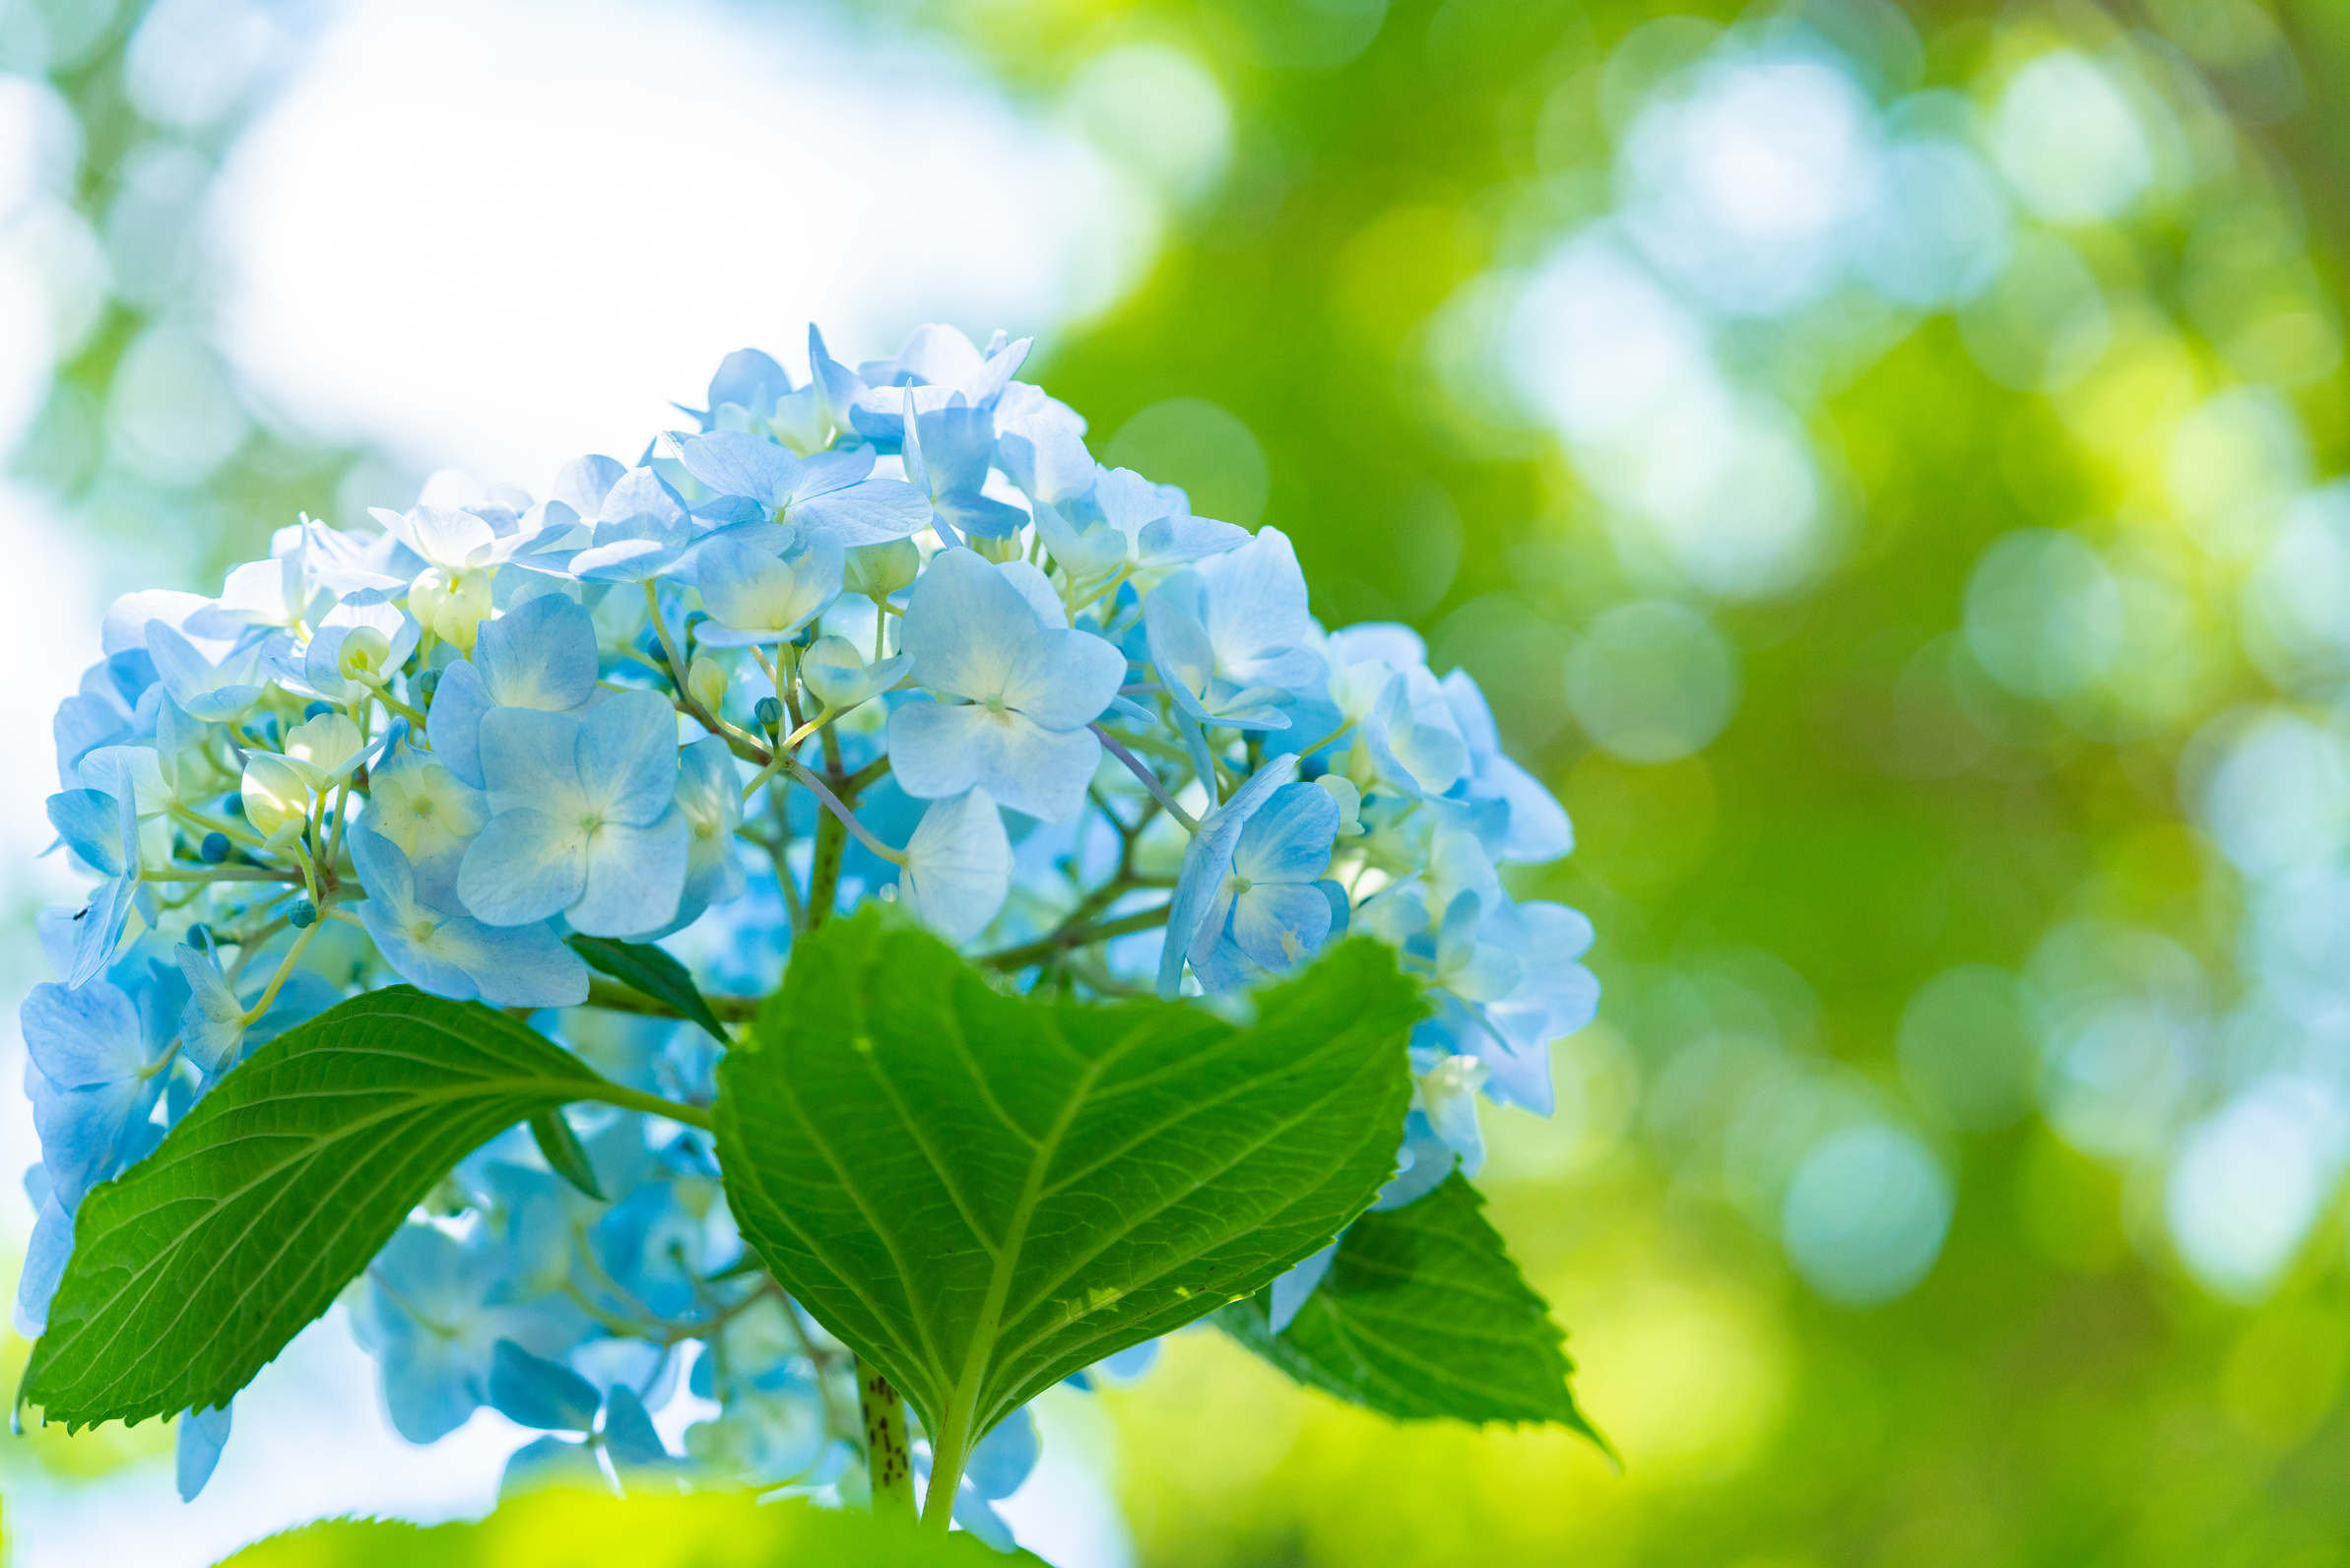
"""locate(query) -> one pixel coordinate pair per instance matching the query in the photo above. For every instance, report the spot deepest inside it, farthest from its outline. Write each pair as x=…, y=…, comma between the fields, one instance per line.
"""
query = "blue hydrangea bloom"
x=456, y=955
x=583, y=821
x=1027, y=689
x=831, y=493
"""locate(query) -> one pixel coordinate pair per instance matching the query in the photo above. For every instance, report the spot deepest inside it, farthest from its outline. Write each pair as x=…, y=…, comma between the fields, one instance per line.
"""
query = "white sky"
x=498, y=234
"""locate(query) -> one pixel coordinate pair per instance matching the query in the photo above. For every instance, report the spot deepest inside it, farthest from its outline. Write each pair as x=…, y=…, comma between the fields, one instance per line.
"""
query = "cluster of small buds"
x=890, y=634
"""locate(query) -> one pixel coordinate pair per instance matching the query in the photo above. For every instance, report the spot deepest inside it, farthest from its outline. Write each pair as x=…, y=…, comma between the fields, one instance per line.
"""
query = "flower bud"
x=324, y=750
x=706, y=680
x=364, y=654
x=834, y=669
x=273, y=793
x=304, y=915
x=880, y=570
x=771, y=714
x=215, y=848
x=453, y=607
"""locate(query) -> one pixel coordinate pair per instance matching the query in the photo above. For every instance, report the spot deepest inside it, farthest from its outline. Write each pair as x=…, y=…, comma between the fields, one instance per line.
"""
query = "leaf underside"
x=643, y=967
x=982, y=1193
x=1424, y=1315
x=196, y=1266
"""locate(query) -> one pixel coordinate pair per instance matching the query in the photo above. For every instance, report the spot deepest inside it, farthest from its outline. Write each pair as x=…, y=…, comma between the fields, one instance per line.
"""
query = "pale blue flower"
x=584, y=822
x=426, y=1315
x=1292, y=1290
x=1511, y=813
x=104, y=830
x=958, y=866
x=1186, y=661
x=210, y=680
x=638, y=528
x=710, y=795
x=212, y=1026
x=198, y=1439
x=427, y=811
x=1272, y=909
x=833, y=492
x=755, y=596
x=1250, y=606
x=452, y=953
x=836, y=670
x=628, y=1433
x=1204, y=888
x=947, y=450
x=1159, y=529
x=999, y=1464
x=46, y=1254
x=932, y=355
x=533, y=1390
x=1028, y=688
x=541, y=655
x=1413, y=736
x=91, y=1068
x=743, y=393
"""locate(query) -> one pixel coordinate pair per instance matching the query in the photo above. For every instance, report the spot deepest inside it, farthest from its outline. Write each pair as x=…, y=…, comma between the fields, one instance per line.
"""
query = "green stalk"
x=889, y=1459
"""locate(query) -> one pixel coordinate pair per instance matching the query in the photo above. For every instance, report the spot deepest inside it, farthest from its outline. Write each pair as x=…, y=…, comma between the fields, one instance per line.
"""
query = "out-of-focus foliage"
x=1880, y=462
x=1883, y=464
x=570, y=1530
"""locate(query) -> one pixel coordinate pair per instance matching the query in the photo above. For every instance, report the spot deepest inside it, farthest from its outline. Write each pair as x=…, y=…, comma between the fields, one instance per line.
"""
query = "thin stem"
x=285, y=968
x=612, y=996
x=195, y=818
x=1326, y=739
x=629, y=1099
x=1061, y=942
x=218, y=873
x=889, y=1459
x=846, y=817
x=1142, y=771
x=384, y=695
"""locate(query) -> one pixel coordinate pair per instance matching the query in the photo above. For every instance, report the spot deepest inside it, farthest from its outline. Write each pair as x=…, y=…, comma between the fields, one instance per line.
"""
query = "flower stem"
x=1066, y=940
x=1142, y=771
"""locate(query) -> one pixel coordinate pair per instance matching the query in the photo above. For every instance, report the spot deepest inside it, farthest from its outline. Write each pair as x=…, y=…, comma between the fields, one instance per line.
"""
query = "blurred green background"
x=1880, y=461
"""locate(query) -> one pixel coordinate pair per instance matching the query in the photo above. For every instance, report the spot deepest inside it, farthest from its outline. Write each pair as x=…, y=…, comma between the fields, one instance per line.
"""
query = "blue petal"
x=535, y=1391
x=82, y=1038
x=1290, y=839
x=873, y=511
x=628, y=1434
x=1292, y=1290
x=90, y=823
x=201, y=1434
x=539, y=655
x=526, y=867
x=737, y=463
x=628, y=758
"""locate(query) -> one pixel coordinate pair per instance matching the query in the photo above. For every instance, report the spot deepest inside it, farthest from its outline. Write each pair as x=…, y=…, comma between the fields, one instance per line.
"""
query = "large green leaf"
x=572, y=1530
x=196, y=1266
x=982, y=1193
x=1424, y=1315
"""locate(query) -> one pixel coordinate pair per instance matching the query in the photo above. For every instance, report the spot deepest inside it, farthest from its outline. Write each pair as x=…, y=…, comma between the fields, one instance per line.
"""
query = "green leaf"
x=642, y=966
x=1424, y=1315
x=558, y=1528
x=551, y=1131
x=196, y=1266
x=981, y=1193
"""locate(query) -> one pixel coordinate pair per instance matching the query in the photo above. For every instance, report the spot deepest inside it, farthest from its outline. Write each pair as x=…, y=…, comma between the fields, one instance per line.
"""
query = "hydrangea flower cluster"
x=893, y=634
